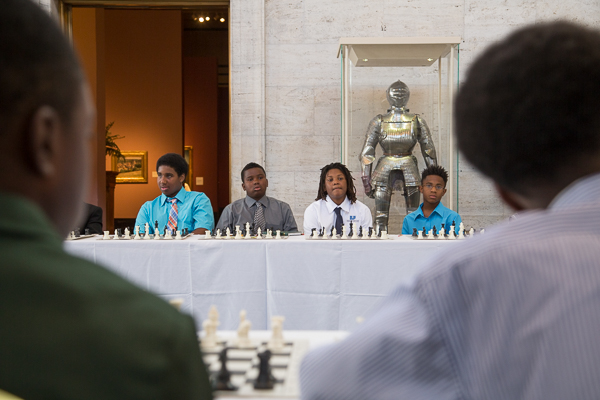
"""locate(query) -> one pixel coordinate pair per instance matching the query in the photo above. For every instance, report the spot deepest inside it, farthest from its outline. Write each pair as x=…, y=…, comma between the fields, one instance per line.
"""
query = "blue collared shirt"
x=441, y=215
x=512, y=314
x=193, y=211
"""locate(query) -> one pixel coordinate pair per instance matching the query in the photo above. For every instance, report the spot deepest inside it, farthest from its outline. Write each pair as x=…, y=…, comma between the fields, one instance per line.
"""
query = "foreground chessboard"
x=243, y=366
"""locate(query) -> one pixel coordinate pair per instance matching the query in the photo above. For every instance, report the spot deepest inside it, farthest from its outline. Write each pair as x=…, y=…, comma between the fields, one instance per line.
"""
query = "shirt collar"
x=436, y=210
x=332, y=206
x=180, y=196
x=250, y=201
x=583, y=190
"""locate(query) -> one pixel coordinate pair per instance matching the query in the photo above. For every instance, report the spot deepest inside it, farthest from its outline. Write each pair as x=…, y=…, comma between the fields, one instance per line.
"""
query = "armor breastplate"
x=397, y=137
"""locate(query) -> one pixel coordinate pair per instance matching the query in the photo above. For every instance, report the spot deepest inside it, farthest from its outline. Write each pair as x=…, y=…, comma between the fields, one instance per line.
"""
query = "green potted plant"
x=112, y=149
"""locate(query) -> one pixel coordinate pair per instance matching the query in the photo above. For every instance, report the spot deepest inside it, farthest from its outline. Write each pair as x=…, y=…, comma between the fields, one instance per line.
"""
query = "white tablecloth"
x=315, y=284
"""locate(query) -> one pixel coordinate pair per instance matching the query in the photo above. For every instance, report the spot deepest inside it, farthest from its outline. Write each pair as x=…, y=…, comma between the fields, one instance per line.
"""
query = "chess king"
x=397, y=132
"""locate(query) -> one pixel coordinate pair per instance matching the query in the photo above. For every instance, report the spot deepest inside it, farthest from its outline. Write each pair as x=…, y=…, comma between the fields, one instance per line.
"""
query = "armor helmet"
x=398, y=94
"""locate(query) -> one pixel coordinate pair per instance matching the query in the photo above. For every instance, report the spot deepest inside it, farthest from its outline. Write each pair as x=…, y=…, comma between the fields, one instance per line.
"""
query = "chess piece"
x=210, y=333
x=269, y=234
x=471, y=232
x=355, y=234
x=259, y=233
x=265, y=378
x=442, y=234
x=248, y=230
x=106, y=235
x=77, y=233
x=482, y=231
x=374, y=235
x=207, y=235
x=178, y=236
x=384, y=235
x=146, y=231
x=86, y=232
x=238, y=232
x=313, y=234
x=430, y=234
x=420, y=235
x=344, y=234
x=243, y=341
x=137, y=233
x=461, y=233
x=167, y=233
x=127, y=235
x=434, y=229
x=276, y=341
x=414, y=234
x=334, y=233
x=116, y=235
x=156, y=234
x=223, y=379
x=278, y=234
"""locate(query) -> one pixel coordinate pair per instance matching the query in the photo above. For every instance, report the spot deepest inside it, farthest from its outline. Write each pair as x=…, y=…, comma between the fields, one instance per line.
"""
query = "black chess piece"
x=119, y=232
x=265, y=378
x=351, y=229
x=155, y=226
x=331, y=233
x=379, y=233
x=86, y=232
x=370, y=231
x=321, y=232
x=312, y=232
x=77, y=233
x=415, y=234
x=223, y=379
x=424, y=232
x=435, y=235
x=360, y=231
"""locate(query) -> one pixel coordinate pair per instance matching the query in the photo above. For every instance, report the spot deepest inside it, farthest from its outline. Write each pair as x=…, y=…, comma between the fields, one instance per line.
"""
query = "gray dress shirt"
x=510, y=314
x=278, y=215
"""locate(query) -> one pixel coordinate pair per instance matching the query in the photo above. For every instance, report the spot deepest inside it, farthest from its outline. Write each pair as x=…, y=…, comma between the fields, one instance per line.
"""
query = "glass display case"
x=430, y=69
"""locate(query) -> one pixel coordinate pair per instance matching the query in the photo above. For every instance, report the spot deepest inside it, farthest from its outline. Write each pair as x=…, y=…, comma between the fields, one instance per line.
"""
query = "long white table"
x=314, y=284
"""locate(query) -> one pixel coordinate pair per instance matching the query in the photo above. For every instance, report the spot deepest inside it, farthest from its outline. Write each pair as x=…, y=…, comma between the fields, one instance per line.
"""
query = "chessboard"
x=244, y=365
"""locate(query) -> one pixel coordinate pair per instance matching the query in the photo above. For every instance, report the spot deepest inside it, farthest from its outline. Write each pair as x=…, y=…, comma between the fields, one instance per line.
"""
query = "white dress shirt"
x=511, y=314
x=321, y=213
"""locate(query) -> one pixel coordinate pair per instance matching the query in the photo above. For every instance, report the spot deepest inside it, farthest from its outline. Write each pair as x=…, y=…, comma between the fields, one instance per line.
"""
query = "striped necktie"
x=259, y=218
x=173, y=215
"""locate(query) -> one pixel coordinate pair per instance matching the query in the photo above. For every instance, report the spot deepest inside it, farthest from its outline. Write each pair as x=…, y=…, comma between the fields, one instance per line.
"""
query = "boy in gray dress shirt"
x=273, y=214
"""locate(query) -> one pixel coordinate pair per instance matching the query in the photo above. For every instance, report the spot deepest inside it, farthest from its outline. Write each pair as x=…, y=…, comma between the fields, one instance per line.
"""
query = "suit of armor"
x=397, y=132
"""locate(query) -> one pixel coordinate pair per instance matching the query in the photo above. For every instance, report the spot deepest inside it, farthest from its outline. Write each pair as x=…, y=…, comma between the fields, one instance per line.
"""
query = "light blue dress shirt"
x=193, y=211
x=441, y=215
x=511, y=314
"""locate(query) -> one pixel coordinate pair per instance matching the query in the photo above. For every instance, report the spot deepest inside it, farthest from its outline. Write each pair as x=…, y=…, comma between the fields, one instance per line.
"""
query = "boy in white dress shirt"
x=336, y=203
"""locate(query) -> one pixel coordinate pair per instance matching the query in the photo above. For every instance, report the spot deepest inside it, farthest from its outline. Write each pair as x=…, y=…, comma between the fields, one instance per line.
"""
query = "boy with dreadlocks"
x=336, y=203
x=431, y=212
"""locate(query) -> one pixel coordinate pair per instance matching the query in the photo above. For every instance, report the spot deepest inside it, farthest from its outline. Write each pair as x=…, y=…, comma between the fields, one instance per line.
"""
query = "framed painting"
x=187, y=154
x=132, y=167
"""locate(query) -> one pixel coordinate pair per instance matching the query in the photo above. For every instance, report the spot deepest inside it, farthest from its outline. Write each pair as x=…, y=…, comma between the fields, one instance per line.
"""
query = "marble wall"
x=285, y=80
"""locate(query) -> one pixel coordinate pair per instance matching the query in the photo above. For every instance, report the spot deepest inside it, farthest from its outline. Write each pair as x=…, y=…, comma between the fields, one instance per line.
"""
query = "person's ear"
x=512, y=199
x=44, y=138
x=421, y=188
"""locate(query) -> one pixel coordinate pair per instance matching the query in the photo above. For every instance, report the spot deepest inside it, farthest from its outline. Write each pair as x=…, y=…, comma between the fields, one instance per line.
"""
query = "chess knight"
x=397, y=132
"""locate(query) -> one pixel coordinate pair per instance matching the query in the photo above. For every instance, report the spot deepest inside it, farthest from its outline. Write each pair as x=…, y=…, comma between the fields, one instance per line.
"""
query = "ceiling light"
x=365, y=59
x=201, y=19
x=222, y=20
x=208, y=18
x=430, y=59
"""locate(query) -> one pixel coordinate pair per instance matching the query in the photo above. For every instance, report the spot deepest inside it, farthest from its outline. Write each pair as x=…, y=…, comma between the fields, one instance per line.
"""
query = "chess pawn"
x=278, y=234
x=471, y=232
x=218, y=234
x=207, y=234
x=243, y=330
x=178, y=236
x=276, y=341
x=156, y=234
x=355, y=234
x=442, y=234
x=420, y=235
x=334, y=233
x=168, y=234
x=137, y=233
x=384, y=235
x=374, y=235
x=127, y=234
x=344, y=233
x=106, y=235
x=259, y=233
x=210, y=334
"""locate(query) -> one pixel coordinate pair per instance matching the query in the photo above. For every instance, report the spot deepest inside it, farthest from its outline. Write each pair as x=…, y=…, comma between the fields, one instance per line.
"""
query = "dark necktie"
x=259, y=218
x=338, y=220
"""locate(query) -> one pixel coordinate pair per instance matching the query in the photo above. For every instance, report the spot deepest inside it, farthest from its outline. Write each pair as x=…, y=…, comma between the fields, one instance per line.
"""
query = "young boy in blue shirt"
x=431, y=212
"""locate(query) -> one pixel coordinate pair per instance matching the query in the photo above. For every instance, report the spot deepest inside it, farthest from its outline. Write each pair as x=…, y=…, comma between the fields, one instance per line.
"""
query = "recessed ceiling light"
x=430, y=59
x=365, y=59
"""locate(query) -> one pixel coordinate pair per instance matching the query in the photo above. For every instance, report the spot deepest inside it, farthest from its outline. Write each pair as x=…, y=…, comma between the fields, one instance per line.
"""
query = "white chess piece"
x=269, y=234
x=210, y=333
x=248, y=232
x=442, y=234
x=430, y=234
x=156, y=234
x=243, y=330
x=482, y=231
x=218, y=234
x=178, y=236
x=276, y=341
x=116, y=235
x=344, y=234
x=471, y=232
x=365, y=234
x=374, y=235
x=334, y=234
x=238, y=232
x=461, y=233
x=127, y=234
x=106, y=235
x=384, y=235
x=420, y=235
x=137, y=233
x=259, y=233
x=207, y=234
x=147, y=231
x=355, y=233
x=247, y=228
x=277, y=234
x=452, y=234
x=461, y=227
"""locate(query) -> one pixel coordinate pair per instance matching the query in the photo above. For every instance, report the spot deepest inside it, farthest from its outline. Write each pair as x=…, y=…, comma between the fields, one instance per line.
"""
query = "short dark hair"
x=350, y=190
x=37, y=66
x=175, y=161
x=435, y=170
x=250, y=166
x=529, y=109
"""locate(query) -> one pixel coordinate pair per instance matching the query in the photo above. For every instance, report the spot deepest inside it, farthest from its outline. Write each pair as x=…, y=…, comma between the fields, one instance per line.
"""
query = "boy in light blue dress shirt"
x=431, y=212
x=194, y=210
